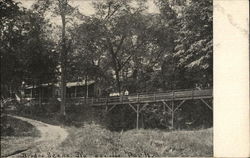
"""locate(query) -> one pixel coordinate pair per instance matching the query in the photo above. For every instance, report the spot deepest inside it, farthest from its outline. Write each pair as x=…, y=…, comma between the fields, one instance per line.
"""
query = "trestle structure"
x=172, y=101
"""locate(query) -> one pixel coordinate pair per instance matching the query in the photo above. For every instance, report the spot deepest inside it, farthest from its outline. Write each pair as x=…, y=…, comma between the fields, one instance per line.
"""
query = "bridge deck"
x=147, y=97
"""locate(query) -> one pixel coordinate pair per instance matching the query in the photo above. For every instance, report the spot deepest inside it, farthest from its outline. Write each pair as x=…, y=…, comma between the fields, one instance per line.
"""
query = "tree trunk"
x=86, y=94
x=118, y=83
x=40, y=97
x=32, y=89
x=63, y=58
x=87, y=88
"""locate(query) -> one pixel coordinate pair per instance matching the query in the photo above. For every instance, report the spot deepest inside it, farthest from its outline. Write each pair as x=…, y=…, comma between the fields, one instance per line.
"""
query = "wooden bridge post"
x=106, y=108
x=173, y=95
x=164, y=107
x=106, y=104
x=121, y=98
x=192, y=93
x=172, y=121
x=75, y=91
x=137, y=116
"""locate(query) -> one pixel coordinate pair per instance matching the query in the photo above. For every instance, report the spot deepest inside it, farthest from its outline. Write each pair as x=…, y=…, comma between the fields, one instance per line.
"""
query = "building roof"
x=73, y=84
x=68, y=84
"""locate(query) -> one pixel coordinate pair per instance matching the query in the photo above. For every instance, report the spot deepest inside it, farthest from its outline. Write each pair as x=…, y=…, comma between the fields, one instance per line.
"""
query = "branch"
x=8, y=47
x=120, y=44
x=125, y=62
x=114, y=57
x=109, y=15
x=157, y=58
x=135, y=46
x=108, y=11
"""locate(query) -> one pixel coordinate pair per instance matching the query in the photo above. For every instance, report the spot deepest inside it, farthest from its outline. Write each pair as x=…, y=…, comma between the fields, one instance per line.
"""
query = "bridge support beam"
x=166, y=105
x=210, y=107
x=137, y=116
x=172, y=116
x=172, y=109
x=182, y=102
x=137, y=110
x=112, y=107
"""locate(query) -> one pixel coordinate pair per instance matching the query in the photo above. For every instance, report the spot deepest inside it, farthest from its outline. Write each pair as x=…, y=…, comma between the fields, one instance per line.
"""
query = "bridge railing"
x=151, y=97
x=141, y=97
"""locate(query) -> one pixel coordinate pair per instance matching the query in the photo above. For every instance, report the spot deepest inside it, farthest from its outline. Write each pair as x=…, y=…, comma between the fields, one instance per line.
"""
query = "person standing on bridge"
x=126, y=92
x=197, y=86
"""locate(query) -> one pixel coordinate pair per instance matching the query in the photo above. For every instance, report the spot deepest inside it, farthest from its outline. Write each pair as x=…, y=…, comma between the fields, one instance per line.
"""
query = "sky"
x=85, y=6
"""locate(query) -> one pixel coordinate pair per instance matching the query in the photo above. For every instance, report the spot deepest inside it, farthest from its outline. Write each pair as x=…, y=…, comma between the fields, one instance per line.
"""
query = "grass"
x=17, y=128
x=94, y=140
x=11, y=144
x=16, y=135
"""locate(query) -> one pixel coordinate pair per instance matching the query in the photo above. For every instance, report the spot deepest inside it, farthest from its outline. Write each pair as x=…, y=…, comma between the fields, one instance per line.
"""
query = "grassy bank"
x=93, y=140
x=16, y=135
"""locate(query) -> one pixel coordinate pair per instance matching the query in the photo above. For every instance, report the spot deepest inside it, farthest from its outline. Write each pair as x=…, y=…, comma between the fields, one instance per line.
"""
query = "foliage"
x=93, y=140
x=194, y=45
x=63, y=9
x=121, y=47
x=14, y=127
x=25, y=51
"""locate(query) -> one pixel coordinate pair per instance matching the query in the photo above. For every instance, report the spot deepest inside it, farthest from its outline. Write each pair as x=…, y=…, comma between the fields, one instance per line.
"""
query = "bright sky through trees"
x=86, y=7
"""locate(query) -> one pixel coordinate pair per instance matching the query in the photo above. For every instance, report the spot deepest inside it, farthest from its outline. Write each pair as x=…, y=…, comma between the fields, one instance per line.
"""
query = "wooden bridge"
x=188, y=94
x=172, y=100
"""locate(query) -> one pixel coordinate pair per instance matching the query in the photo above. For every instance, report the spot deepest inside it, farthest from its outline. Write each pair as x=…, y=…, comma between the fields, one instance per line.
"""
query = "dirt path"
x=51, y=137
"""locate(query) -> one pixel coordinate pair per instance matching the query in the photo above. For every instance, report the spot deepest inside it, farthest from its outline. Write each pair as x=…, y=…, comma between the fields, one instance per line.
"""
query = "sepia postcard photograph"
x=107, y=78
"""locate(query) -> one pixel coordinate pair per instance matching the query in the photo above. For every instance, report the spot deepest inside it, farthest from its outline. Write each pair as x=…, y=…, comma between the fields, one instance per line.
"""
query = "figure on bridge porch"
x=126, y=92
x=198, y=86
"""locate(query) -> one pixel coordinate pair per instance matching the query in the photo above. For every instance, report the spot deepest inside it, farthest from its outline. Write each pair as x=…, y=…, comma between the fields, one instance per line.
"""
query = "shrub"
x=14, y=127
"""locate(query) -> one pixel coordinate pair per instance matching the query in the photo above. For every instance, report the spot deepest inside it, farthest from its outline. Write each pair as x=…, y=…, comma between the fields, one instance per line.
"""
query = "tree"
x=113, y=31
x=62, y=5
x=25, y=50
x=59, y=8
x=194, y=48
x=190, y=60
x=154, y=67
x=9, y=12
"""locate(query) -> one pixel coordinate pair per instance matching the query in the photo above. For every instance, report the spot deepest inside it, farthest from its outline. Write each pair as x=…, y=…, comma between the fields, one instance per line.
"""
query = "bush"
x=14, y=127
x=52, y=106
x=122, y=117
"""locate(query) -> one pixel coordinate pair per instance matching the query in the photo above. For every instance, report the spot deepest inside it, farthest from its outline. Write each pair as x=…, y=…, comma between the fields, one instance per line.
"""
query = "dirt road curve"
x=51, y=137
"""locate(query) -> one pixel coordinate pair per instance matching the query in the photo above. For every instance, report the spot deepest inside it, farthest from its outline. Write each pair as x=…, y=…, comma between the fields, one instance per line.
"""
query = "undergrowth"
x=14, y=127
x=95, y=140
x=16, y=135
